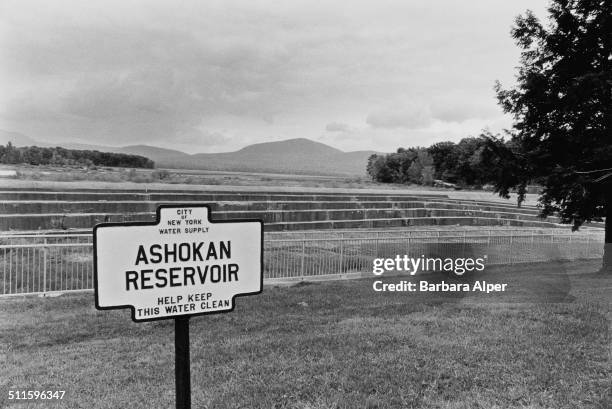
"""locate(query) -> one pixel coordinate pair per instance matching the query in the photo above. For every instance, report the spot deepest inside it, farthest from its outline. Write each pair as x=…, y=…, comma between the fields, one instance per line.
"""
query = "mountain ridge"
x=296, y=155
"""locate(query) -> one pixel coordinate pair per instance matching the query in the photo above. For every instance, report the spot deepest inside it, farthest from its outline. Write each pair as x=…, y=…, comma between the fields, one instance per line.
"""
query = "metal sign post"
x=179, y=266
x=182, y=367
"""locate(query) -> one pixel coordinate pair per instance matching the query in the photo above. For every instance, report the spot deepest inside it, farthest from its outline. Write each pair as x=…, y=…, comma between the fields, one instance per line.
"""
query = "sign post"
x=181, y=358
x=179, y=266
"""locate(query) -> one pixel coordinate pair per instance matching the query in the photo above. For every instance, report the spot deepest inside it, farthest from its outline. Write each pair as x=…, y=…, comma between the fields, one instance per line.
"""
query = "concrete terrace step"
x=88, y=220
x=197, y=196
x=69, y=225
x=12, y=195
x=405, y=222
x=28, y=209
x=272, y=216
x=240, y=190
x=44, y=207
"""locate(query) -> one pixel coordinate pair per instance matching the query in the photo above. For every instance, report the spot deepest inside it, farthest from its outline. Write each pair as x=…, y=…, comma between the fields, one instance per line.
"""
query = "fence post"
x=588, y=246
x=511, y=252
x=303, y=257
x=45, y=266
x=376, y=245
x=341, y=253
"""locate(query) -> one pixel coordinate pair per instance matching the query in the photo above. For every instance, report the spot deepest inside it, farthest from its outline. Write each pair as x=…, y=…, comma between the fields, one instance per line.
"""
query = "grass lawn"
x=327, y=345
x=63, y=178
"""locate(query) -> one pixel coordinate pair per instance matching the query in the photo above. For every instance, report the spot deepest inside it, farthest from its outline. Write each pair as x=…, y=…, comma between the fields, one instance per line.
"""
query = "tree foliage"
x=461, y=163
x=58, y=156
x=412, y=165
x=562, y=108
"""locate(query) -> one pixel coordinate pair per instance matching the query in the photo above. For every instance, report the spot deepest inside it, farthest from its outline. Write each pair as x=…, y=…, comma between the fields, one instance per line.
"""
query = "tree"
x=468, y=168
x=414, y=173
x=412, y=165
x=461, y=163
x=59, y=156
x=378, y=169
x=427, y=175
x=445, y=158
x=562, y=109
x=370, y=166
x=10, y=154
x=32, y=155
x=427, y=168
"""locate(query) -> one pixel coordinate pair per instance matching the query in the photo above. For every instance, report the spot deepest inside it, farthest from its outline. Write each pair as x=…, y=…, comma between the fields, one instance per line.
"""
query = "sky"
x=214, y=76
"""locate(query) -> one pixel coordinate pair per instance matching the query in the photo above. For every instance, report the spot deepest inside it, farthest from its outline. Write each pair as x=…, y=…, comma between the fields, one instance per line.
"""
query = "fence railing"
x=419, y=233
x=35, y=264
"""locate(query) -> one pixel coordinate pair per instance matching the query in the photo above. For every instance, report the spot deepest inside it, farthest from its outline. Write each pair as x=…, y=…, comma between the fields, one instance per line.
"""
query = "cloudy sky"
x=210, y=76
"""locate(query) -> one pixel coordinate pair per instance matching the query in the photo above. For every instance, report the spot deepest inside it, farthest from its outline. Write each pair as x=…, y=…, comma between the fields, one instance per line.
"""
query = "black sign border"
x=156, y=223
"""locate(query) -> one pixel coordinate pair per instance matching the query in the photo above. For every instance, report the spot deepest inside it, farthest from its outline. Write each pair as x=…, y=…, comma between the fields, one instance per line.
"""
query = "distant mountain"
x=82, y=146
x=288, y=146
x=19, y=139
x=292, y=156
x=16, y=138
x=153, y=152
x=301, y=156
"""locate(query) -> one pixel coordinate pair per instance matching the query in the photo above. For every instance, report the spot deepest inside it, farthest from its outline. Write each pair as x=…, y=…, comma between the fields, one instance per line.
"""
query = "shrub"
x=160, y=174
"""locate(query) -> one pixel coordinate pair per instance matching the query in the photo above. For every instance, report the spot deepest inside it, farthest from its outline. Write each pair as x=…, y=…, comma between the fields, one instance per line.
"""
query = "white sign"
x=182, y=264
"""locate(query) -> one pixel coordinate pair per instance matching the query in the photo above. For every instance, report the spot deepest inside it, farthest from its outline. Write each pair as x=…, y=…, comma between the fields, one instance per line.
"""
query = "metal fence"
x=38, y=264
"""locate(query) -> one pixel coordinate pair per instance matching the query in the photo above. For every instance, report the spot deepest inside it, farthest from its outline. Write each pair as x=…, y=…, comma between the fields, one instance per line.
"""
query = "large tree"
x=562, y=108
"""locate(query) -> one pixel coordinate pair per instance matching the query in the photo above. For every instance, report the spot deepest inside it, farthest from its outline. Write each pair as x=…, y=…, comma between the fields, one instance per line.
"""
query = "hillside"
x=16, y=138
x=153, y=152
x=290, y=145
x=297, y=156
x=290, y=156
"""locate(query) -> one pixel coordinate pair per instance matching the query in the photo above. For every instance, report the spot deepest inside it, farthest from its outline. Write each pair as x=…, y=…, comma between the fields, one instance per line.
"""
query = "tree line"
x=466, y=163
x=58, y=156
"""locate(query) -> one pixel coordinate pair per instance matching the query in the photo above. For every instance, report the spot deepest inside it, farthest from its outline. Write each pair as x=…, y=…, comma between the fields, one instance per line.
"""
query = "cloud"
x=153, y=72
x=203, y=138
x=412, y=116
x=169, y=85
x=336, y=127
x=459, y=109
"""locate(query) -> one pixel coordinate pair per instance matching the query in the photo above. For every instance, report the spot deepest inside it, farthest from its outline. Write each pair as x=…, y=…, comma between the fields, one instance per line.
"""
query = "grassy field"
x=143, y=179
x=329, y=345
x=182, y=176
